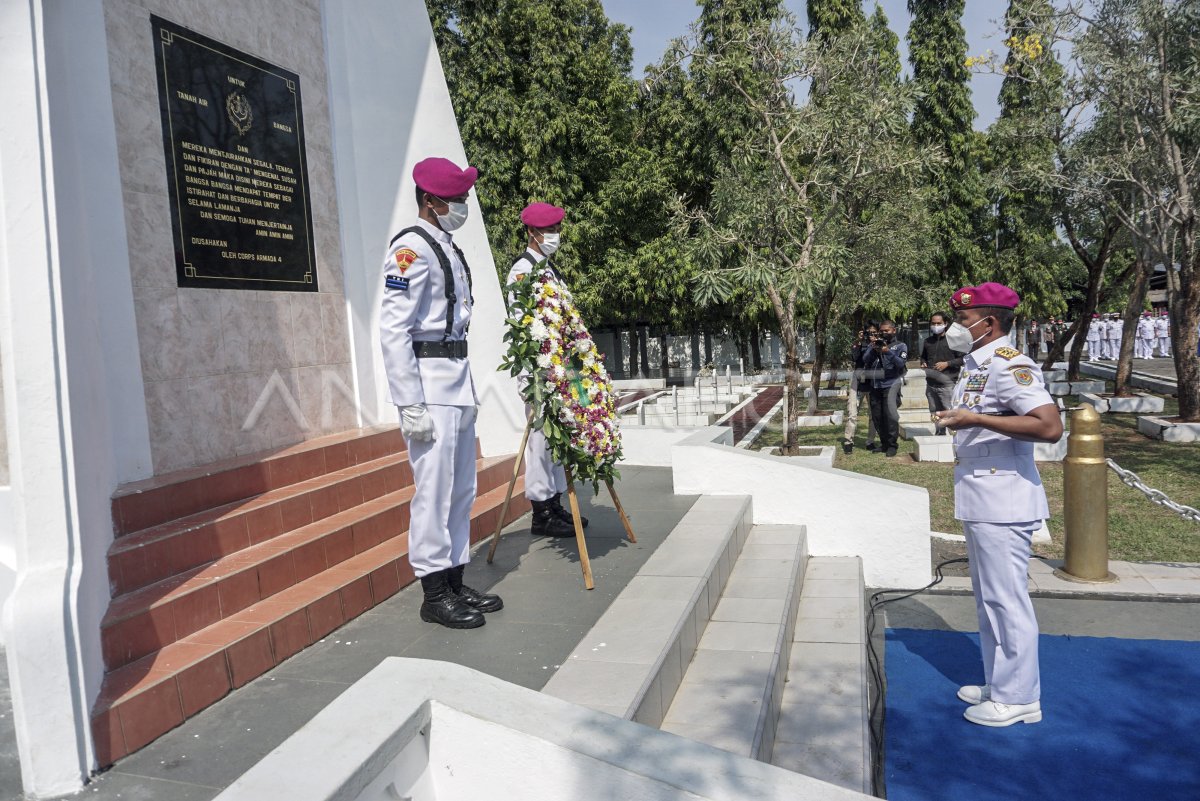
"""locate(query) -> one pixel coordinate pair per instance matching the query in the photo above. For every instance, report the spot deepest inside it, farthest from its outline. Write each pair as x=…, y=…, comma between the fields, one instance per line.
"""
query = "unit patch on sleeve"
x=404, y=258
x=396, y=282
x=1023, y=376
x=1007, y=353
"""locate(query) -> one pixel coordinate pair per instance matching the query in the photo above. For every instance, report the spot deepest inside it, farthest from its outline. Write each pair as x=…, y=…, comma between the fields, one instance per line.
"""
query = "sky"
x=656, y=22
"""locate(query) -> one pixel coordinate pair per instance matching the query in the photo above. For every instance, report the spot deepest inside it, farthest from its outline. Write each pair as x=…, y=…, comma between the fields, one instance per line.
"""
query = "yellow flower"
x=526, y=320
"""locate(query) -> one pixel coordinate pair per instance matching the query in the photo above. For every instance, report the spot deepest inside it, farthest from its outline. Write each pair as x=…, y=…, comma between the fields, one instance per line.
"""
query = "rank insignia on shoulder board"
x=1023, y=376
x=404, y=258
x=1007, y=353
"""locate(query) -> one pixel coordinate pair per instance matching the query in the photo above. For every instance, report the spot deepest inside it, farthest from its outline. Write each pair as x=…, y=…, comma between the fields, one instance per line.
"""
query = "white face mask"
x=454, y=218
x=937, y=329
x=549, y=243
x=959, y=337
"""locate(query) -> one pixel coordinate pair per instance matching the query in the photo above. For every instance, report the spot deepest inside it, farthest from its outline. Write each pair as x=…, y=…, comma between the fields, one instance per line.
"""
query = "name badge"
x=396, y=282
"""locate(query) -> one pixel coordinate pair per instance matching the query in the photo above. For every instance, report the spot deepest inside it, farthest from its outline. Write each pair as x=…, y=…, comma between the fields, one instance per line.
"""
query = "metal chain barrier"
x=1156, y=496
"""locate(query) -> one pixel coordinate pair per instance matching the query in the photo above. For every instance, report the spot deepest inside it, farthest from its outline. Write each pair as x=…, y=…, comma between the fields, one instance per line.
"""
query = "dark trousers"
x=885, y=411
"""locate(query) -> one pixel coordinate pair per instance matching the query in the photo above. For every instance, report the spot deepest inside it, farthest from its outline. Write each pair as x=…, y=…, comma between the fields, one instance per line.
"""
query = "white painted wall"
x=650, y=445
x=848, y=514
x=391, y=108
x=74, y=413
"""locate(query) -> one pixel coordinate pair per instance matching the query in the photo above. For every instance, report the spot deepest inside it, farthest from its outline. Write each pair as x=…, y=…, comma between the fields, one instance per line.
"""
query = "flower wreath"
x=568, y=387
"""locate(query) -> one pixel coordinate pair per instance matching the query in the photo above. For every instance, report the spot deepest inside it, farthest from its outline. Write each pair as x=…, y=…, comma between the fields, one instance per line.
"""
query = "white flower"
x=543, y=360
x=558, y=373
x=538, y=330
x=583, y=345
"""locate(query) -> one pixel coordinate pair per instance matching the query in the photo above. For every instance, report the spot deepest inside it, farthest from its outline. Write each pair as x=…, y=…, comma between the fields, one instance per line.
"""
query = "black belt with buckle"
x=448, y=349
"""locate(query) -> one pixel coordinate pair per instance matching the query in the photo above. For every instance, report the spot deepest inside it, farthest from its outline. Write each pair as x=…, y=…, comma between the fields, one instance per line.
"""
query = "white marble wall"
x=209, y=357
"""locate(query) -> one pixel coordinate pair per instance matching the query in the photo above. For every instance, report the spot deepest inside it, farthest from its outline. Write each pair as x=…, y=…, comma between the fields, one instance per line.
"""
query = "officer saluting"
x=1000, y=409
x=423, y=330
x=545, y=481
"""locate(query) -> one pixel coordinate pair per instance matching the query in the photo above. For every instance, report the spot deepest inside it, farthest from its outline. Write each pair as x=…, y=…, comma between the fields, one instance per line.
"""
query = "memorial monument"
x=194, y=198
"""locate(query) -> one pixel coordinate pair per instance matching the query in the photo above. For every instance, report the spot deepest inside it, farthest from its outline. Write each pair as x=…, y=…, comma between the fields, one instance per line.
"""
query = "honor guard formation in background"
x=1000, y=409
x=426, y=312
x=545, y=481
x=1152, y=336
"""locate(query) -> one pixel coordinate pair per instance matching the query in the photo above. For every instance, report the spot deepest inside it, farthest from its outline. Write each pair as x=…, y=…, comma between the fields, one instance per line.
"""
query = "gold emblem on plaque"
x=238, y=109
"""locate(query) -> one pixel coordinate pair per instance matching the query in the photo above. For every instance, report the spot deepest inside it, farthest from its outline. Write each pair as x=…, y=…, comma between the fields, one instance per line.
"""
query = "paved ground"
x=547, y=611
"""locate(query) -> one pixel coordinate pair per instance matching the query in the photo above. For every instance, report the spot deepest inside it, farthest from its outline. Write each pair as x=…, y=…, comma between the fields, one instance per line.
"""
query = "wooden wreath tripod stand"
x=584, y=561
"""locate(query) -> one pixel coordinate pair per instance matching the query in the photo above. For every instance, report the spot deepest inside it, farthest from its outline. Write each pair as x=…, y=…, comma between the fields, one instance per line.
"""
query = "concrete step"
x=631, y=662
x=171, y=496
x=731, y=692
x=824, y=718
x=144, y=557
x=143, y=621
x=294, y=545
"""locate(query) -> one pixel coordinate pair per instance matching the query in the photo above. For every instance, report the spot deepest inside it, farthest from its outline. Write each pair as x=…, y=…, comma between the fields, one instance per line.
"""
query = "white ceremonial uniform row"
x=543, y=478
x=1112, y=339
x=1095, y=338
x=1145, y=339
x=415, y=309
x=999, y=498
x=1162, y=332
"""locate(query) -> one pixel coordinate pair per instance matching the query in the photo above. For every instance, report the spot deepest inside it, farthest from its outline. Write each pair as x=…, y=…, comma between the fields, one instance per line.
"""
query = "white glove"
x=416, y=423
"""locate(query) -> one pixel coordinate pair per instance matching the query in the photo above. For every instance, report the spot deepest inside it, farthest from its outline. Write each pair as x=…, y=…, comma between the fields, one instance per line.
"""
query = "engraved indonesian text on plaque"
x=236, y=172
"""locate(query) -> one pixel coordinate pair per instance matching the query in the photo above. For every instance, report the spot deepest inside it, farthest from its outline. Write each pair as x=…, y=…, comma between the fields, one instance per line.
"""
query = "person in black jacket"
x=885, y=363
x=860, y=389
x=941, y=365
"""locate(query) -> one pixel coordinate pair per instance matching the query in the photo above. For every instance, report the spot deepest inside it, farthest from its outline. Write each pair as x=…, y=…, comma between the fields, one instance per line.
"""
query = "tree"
x=1137, y=65
x=543, y=96
x=833, y=17
x=772, y=224
x=944, y=117
x=1027, y=254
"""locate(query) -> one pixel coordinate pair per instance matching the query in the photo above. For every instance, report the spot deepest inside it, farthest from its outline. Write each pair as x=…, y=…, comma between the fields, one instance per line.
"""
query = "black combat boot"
x=564, y=513
x=444, y=607
x=475, y=599
x=547, y=523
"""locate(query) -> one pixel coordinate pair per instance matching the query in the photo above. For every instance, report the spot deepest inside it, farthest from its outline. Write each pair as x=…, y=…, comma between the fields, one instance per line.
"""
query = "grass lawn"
x=1138, y=529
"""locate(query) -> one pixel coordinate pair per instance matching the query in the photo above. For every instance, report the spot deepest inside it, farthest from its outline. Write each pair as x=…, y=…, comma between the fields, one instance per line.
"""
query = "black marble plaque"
x=236, y=171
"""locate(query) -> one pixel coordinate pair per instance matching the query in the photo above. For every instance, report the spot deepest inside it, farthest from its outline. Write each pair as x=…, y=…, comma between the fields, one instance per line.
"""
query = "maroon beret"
x=986, y=294
x=542, y=215
x=443, y=178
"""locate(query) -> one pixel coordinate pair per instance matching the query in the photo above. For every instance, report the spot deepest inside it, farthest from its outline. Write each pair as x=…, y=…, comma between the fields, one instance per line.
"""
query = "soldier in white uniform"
x=1001, y=408
x=1145, y=337
x=423, y=331
x=1162, y=332
x=1112, y=337
x=1095, y=336
x=545, y=481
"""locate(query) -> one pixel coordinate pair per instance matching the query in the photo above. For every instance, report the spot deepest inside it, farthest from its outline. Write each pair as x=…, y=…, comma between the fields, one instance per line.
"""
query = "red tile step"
x=141, y=622
x=147, y=503
x=142, y=558
x=148, y=697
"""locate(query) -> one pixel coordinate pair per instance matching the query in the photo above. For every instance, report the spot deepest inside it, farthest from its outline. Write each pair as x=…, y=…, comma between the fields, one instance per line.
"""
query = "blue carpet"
x=1121, y=720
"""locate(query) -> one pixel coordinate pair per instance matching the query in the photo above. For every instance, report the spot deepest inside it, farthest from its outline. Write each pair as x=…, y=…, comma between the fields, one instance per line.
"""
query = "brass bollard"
x=1085, y=501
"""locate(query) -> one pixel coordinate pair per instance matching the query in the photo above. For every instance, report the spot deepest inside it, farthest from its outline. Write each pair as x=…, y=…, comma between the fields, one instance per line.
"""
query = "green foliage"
x=1027, y=253
x=832, y=18
x=943, y=117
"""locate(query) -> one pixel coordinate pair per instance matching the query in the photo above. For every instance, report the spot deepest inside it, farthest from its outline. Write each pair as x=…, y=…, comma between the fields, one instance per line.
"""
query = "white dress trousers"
x=543, y=478
x=1008, y=630
x=444, y=475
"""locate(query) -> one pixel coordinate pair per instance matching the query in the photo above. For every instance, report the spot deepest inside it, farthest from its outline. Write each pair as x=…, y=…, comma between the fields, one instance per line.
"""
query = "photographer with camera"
x=885, y=364
x=860, y=387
